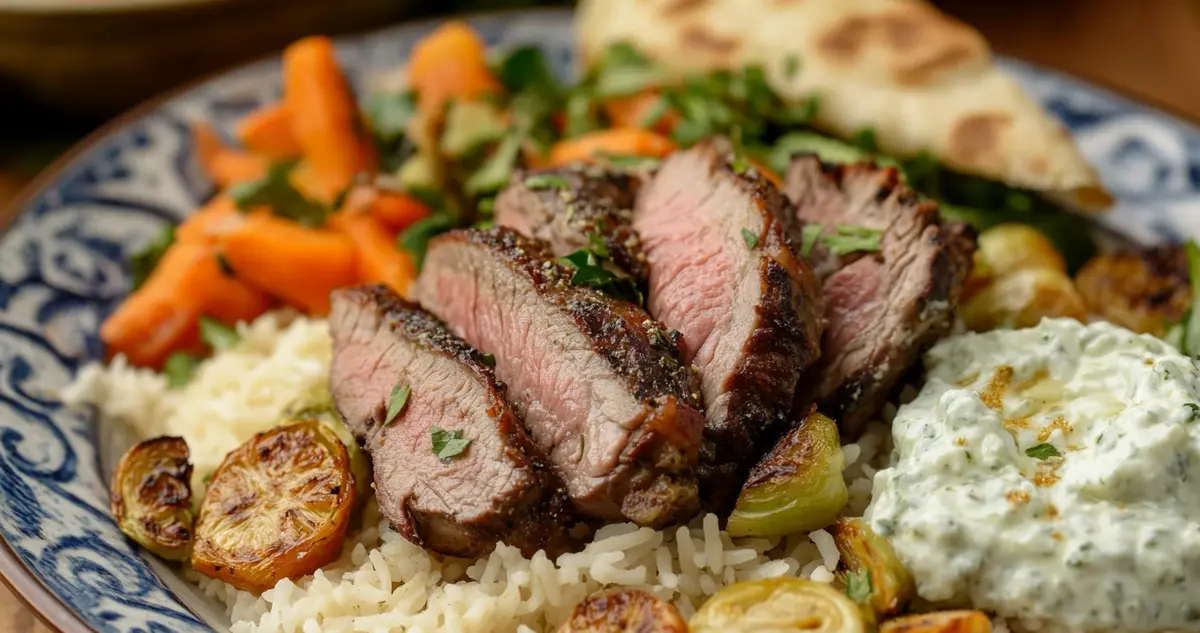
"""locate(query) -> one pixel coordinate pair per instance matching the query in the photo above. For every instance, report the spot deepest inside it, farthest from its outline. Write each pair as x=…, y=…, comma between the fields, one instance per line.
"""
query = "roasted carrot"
x=161, y=316
x=766, y=172
x=204, y=223
x=268, y=131
x=397, y=211
x=324, y=115
x=378, y=258
x=297, y=264
x=632, y=111
x=450, y=63
x=623, y=141
x=224, y=165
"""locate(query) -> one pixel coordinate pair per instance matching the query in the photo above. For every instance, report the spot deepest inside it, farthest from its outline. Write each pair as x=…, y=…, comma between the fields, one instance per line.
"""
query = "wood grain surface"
x=1145, y=48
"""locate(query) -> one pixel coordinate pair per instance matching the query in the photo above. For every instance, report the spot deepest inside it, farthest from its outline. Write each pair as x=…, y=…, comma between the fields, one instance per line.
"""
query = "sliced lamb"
x=461, y=505
x=724, y=275
x=566, y=207
x=883, y=307
x=599, y=383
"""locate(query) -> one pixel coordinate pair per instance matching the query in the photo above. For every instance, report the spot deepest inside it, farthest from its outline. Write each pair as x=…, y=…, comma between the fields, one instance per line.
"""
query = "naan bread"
x=919, y=79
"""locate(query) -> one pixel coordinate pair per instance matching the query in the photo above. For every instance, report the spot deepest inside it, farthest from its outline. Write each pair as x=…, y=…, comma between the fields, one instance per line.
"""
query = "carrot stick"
x=397, y=211
x=224, y=165
x=324, y=115
x=297, y=264
x=632, y=111
x=624, y=141
x=450, y=63
x=268, y=131
x=378, y=258
x=203, y=224
x=161, y=316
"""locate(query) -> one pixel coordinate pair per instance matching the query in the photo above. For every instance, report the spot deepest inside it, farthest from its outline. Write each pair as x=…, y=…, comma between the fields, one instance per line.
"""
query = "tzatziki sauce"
x=1051, y=475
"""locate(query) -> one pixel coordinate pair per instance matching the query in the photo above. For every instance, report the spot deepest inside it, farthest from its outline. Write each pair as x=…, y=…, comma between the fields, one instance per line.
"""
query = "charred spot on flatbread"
x=976, y=137
x=700, y=39
x=917, y=44
x=676, y=8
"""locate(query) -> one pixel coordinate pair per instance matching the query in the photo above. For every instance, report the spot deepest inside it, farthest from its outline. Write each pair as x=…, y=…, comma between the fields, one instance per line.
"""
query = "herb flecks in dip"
x=1048, y=474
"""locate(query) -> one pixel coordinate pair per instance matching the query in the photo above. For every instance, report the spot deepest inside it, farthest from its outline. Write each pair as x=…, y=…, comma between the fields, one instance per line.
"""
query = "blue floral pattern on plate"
x=62, y=269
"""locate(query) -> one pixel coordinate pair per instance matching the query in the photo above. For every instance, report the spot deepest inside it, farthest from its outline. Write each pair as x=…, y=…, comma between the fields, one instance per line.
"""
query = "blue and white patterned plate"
x=62, y=270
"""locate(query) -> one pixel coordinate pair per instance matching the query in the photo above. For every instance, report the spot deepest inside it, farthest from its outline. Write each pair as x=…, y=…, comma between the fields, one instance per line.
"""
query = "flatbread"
x=919, y=79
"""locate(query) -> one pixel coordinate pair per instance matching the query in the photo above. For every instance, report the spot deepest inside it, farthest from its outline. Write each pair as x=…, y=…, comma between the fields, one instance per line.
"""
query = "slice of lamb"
x=494, y=490
x=598, y=382
x=882, y=307
x=723, y=273
x=566, y=206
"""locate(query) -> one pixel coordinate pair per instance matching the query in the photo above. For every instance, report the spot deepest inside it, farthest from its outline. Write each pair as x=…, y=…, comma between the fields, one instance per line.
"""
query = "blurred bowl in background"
x=88, y=60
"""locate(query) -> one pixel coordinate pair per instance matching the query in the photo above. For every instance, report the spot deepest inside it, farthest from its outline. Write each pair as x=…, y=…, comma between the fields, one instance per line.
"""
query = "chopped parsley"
x=655, y=113
x=750, y=237
x=218, y=335
x=622, y=71
x=447, y=444
x=389, y=113
x=791, y=65
x=1043, y=451
x=596, y=245
x=1195, y=411
x=275, y=190
x=179, y=368
x=396, y=401
x=589, y=271
x=858, y=585
x=809, y=236
x=143, y=262
x=498, y=168
x=489, y=360
x=853, y=239
x=865, y=139
x=579, y=114
x=546, y=181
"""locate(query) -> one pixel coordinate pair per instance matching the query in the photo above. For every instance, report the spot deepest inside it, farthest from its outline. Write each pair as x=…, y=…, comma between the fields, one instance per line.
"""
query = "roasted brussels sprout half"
x=778, y=605
x=1022, y=299
x=319, y=406
x=152, y=498
x=797, y=487
x=940, y=622
x=869, y=557
x=277, y=507
x=1146, y=292
x=625, y=609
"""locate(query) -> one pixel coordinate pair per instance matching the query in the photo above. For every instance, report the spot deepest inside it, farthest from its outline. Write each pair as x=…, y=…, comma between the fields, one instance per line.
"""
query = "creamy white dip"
x=1100, y=534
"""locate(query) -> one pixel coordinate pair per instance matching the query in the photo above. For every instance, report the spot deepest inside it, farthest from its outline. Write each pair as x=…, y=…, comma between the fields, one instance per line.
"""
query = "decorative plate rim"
x=23, y=583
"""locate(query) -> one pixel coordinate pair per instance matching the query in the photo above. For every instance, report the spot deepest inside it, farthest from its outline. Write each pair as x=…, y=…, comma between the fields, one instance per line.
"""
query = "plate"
x=62, y=270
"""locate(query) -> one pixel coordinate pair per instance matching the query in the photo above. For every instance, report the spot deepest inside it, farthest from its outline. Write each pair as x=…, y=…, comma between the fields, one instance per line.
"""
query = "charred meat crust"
x=593, y=201
x=653, y=478
x=637, y=347
x=533, y=513
x=938, y=258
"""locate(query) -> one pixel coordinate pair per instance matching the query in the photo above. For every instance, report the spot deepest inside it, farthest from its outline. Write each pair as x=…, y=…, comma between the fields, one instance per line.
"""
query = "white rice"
x=384, y=583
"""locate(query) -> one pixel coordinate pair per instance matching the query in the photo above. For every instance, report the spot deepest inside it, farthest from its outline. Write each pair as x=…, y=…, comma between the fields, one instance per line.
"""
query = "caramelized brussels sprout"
x=940, y=622
x=1145, y=292
x=868, y=555
x=797, y=487
x=277, y=507
x=1021, y=299
x=624, y=609
x=320, y=407
x=152, y=498
x=779, y=605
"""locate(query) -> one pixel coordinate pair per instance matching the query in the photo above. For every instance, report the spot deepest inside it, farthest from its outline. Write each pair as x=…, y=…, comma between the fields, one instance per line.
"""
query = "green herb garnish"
x=276, y=191
x=623, y=71
x=596, y=245
x=865, y=139
x=858, y=585
x=447, y=444
x=579, y=114
x=525, y=69
x=750, y=237
x=590, y=271
x=225, y=266
x=791, y=65
x=390, y=113
x=396, y=401
x=143, y=262
x=489, y=360
x=415, y=239
x=853, y=239
x=1043, y=451
x=218, y=335
x=1195, y=411
x=498, y=168
x=809, y=236
x=657, y=111
x=546, y=181
x=179, y=368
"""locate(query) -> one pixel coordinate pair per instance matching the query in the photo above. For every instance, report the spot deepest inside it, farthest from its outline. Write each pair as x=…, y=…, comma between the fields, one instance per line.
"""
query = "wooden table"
x=1145, y=48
